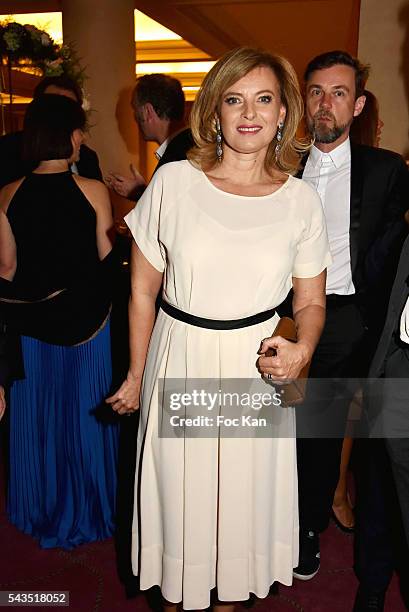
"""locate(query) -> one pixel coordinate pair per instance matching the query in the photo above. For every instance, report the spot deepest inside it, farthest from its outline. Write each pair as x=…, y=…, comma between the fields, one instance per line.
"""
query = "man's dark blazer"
x=399, y=295
x=379, y=199
x=175, y=151
x=13, y=167
x=88, y=164
x=177, y=148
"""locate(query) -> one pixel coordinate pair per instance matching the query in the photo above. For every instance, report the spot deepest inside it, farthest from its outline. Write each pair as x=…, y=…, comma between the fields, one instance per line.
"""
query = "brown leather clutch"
x=292, y=392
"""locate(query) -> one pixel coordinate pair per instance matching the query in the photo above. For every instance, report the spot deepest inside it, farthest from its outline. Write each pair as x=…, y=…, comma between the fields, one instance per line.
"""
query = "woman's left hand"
x=291, y=357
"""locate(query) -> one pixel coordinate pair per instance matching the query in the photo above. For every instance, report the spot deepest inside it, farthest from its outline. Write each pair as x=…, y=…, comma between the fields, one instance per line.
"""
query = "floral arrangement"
x=27, y=46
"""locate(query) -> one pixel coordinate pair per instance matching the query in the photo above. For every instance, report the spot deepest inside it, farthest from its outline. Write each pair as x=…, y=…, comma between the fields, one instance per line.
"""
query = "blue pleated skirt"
x=63, y=443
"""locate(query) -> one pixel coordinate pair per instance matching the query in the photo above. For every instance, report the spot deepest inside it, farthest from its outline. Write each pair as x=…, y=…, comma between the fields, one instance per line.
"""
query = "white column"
x=102, y=32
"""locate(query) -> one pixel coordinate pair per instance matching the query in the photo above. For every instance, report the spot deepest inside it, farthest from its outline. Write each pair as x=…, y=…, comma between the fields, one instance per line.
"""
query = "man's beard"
x=322, y=132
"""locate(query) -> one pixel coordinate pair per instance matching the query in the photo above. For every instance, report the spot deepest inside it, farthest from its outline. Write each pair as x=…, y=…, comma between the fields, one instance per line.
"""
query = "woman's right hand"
x=126, y=399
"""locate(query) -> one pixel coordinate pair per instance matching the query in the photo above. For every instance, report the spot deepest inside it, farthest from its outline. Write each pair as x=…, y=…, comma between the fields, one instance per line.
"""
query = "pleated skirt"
x=218, y=512
x=63, y=443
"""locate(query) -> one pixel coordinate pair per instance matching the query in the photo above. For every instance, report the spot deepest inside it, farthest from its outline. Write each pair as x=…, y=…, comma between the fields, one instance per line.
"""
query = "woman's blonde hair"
x=228, y=70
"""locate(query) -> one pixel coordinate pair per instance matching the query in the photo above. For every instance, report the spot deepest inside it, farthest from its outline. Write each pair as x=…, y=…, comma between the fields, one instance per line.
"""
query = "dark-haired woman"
x=55, y=247
x=366, y=128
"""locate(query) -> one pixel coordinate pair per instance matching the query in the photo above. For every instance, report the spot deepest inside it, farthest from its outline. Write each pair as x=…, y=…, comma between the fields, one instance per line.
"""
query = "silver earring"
x=279, y=136
x=219, y=138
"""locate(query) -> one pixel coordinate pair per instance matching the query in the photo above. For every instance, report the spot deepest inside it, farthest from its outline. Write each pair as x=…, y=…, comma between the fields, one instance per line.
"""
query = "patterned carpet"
x=89, y=574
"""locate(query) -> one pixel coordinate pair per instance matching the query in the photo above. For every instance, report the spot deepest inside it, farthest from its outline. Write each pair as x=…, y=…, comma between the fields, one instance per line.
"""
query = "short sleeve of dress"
x=144, y=222
x=313, y=254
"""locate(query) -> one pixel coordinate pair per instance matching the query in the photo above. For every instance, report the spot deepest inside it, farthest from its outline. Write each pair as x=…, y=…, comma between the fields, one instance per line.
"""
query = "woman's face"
x=251, y=110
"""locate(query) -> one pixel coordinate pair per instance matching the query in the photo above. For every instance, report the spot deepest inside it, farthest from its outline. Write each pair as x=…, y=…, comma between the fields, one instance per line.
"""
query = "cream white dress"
x=218, y=512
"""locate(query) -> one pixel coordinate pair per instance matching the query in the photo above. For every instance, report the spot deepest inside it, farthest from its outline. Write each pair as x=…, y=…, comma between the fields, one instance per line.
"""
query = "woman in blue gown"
x=55, y=252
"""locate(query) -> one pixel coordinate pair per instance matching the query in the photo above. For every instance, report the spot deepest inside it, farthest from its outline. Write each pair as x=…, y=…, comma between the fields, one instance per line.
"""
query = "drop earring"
x=279, y=136
x=219, y=138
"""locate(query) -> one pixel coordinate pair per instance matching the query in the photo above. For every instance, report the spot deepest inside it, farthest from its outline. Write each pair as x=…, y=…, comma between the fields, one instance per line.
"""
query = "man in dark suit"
x=159, y=105
x=391, y=362
x=364, y=192
x=12, y=165
x=379, y=546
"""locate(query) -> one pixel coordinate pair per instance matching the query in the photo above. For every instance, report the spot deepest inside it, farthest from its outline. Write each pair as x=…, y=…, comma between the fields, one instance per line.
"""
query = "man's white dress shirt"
x=330, y=175
x=161, y=149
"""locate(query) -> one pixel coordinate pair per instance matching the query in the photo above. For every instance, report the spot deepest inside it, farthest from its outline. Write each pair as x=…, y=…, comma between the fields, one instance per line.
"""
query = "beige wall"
x=384, y=43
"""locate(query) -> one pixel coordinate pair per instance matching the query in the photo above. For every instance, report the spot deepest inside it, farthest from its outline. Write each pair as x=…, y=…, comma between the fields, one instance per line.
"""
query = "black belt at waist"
x=334, y=299
x=185, y=317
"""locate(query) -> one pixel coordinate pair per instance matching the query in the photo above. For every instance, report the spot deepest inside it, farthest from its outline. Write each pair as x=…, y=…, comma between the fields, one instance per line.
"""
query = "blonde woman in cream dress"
x=228, y=233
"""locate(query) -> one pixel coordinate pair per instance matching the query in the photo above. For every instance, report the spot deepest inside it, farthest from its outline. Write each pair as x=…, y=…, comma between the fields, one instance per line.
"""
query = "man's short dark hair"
x=63, y=82
x=49, y=123
x=163, y=92
x=335, y=58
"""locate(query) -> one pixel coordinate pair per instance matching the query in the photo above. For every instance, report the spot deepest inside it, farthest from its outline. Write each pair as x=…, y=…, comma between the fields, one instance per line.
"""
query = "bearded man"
x=364, y=192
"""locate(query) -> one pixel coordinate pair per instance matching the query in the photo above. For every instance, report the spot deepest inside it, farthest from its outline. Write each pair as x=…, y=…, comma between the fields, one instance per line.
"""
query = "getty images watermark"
x=243, y=408
x=221, y=400
x=228, y=408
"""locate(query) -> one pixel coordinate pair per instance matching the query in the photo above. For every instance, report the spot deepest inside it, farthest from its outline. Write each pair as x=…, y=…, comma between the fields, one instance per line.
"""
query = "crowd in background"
x=243, y=222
